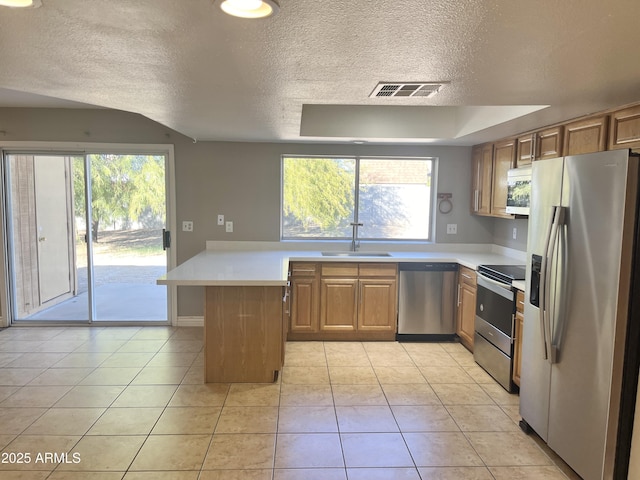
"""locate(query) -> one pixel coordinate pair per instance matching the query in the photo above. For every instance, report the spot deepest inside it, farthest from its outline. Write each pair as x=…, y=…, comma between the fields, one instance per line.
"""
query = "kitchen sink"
x=355, y=254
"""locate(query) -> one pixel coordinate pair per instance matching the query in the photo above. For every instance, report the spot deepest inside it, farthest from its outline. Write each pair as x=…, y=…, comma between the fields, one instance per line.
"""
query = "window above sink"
x=392, y=197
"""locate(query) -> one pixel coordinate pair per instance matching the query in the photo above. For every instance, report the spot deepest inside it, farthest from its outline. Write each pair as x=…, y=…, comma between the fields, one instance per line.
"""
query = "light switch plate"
x=229, y=227
x=187, y=226
x=220, y=219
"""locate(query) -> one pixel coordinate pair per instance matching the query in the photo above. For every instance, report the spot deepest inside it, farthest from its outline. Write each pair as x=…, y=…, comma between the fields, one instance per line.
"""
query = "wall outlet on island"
x=515, y=233
x=452, y=228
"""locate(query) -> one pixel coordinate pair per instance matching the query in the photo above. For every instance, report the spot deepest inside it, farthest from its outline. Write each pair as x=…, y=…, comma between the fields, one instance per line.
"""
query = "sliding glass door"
x=128, y=216
x=85, y=237
x=47, y=268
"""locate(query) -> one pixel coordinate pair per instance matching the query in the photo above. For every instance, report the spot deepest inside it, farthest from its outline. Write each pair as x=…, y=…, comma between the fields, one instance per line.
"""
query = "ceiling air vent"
x=415, y=89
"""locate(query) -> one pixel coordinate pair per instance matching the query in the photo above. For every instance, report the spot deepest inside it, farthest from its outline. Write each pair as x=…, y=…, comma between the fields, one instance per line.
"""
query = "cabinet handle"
x=513, y=328
x=476, y=205
x=301, y=272
x=533, y=146
x=459, y=295
x=466, y=276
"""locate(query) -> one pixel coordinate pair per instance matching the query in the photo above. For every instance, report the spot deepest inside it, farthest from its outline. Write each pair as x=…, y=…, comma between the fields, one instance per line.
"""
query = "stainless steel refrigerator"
x=577, y=346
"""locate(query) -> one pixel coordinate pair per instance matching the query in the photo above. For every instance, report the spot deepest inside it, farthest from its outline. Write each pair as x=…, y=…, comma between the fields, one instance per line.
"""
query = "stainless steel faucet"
x=354, y=236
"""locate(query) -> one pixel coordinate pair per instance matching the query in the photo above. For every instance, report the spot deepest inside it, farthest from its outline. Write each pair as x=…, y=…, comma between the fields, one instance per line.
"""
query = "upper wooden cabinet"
x=586, y=136
x=503, y=160
x=624, y=129
x=546, y=143
x=489, y=162
x=482, y=173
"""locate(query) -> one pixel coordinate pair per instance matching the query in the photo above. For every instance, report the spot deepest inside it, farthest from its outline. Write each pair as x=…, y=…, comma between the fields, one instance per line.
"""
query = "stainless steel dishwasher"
x=426, y=301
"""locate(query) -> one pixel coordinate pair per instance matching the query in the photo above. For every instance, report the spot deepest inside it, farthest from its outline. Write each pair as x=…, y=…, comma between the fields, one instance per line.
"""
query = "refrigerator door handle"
x=543, y=285
x=559, y=220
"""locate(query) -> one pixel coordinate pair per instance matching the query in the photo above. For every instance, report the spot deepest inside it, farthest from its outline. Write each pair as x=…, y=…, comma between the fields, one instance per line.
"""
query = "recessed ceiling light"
x=249, y=8
x=21, y=3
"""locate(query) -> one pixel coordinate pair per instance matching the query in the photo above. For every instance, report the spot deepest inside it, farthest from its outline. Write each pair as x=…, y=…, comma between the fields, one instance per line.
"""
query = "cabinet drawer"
x=378, y=269
x=520, y=301
x=467, y=276
x=303, y=269
x=340, y=270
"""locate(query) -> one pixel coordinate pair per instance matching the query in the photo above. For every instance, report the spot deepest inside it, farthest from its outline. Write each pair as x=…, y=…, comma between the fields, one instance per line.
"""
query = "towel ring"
x=445, y=206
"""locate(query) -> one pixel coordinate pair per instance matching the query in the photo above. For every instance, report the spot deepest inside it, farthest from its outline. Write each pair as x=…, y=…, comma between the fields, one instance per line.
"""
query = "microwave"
x=519, y=190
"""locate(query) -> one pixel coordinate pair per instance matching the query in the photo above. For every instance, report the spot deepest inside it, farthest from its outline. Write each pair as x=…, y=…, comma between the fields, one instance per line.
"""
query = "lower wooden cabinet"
x=517, y=338
x=243, y=334
x=305, y=297
x=338, y=304
x=344, y=301
x=377, y=305
x=466, y=318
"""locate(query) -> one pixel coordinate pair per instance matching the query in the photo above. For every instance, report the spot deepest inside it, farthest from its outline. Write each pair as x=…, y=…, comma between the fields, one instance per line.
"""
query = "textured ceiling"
x=188, y=66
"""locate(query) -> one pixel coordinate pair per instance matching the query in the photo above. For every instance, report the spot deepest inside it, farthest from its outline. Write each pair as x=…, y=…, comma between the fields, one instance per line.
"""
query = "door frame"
x=86, y=148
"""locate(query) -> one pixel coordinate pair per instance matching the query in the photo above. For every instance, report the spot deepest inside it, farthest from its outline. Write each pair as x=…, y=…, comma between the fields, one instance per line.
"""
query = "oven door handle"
x=500, y=288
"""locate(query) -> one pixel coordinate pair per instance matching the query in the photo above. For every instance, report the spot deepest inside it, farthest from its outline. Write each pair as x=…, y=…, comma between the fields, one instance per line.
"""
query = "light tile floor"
x=129, y=403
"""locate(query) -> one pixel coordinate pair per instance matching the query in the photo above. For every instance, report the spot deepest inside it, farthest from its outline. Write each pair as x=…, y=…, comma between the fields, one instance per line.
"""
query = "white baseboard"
x=190, y=322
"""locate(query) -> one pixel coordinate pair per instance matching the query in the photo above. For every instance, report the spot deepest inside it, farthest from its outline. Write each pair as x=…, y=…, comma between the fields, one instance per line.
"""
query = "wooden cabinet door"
x=540, y=145
x=625, y=128
x=304, y=304
x=517, y=338
x=467, y=315
x=482, y=165
x=549, y=143
x=338, y=304
x=586, y=136
x=377, y=305
x=503, y=160
x=517, y=348
x=525, y=150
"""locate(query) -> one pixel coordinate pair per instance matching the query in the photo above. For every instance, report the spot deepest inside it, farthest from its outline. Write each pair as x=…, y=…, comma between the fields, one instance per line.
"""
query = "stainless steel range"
x=495, y=320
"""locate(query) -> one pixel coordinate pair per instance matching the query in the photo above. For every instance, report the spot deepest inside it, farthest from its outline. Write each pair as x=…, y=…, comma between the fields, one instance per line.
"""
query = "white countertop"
x=269, y=267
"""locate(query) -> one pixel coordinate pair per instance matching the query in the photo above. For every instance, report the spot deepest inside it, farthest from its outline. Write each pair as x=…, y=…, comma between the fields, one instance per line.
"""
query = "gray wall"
x=239, y=180
x=503, y=233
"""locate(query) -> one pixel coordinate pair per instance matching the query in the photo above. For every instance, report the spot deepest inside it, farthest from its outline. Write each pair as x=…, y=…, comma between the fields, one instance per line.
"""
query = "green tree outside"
x=124, y=188
x=318, y=193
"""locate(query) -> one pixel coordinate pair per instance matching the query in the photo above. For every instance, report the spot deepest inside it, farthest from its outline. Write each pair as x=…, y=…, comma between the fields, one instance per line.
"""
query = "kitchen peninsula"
x=245, y=317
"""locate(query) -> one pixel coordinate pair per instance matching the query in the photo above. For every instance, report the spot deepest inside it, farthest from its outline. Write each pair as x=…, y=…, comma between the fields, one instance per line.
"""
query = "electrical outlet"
x=515, y=233
x=229, y=227
x=452, y=228
x=220, y=219
x=187, y=226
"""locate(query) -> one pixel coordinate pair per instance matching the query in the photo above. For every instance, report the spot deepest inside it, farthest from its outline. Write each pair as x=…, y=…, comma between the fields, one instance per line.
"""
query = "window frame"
x=357, y=158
